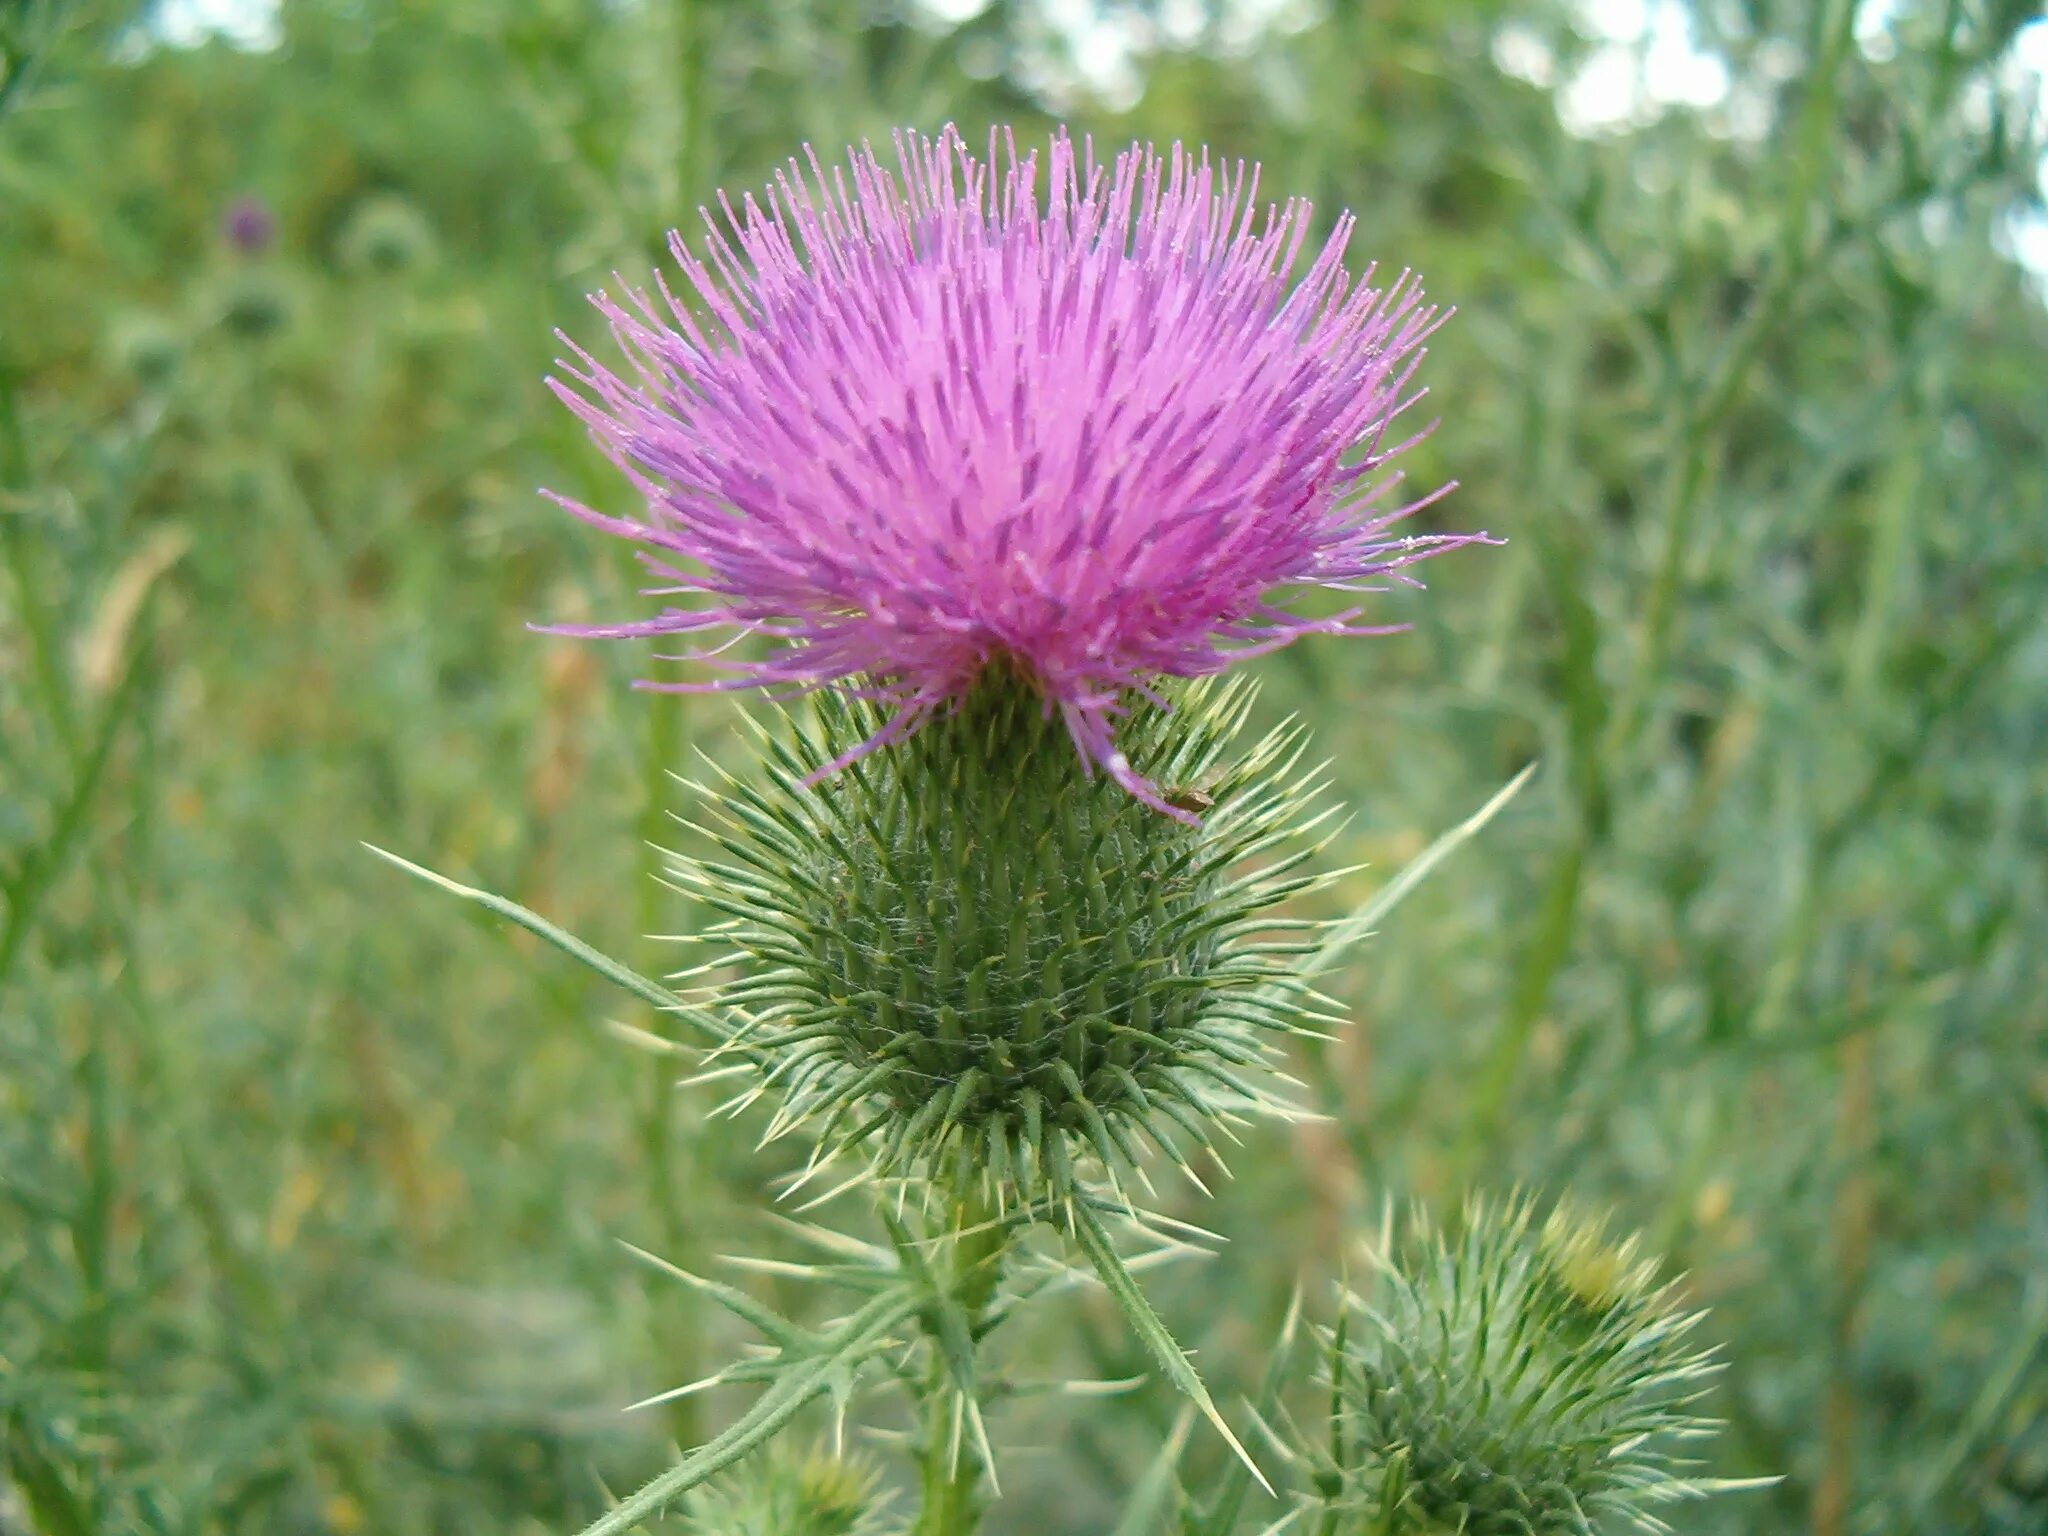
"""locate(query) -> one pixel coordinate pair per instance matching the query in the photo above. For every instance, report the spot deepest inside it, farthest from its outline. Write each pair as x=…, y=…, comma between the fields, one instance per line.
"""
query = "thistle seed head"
x=972, y=951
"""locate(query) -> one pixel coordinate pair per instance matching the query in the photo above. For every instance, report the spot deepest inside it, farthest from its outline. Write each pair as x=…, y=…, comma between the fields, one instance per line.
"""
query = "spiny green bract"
x=965, y=946
x=782, y=1494
x=1510, y=1381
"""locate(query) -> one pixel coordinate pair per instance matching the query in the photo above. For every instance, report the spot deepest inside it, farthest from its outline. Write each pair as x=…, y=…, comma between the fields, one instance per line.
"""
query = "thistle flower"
x=1510, y=1381
x=248, y=225
x=1071, y=416
x=982, y=964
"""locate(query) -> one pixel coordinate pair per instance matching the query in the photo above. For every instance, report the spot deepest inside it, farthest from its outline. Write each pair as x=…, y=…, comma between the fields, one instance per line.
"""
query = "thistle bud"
x=1511, y=1379
x=253, y=302
x=148, y=348
x=788, y=1495
x=385, y=234
x=972, y=949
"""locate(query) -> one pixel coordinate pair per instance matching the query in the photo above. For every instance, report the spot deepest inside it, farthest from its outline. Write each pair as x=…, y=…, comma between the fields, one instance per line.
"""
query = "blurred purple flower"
x=249, y=226
x=1068, y=414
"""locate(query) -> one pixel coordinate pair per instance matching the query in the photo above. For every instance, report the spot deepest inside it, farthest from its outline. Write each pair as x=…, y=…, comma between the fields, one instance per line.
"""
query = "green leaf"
x=1224, y=1509
x=773, y=1325
x=40, y=871
x=1152, y=1498
x=859, y=1336
x=612, y=971
x=771, y=1411
x=1123, y=1290
x=1346, y=934
x=54, y=1505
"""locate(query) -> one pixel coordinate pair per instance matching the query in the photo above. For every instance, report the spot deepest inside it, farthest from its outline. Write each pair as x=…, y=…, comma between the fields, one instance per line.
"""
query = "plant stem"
x=1855, y=1219
x=669, y=1156
x=951, y=1473
x=1724, y=386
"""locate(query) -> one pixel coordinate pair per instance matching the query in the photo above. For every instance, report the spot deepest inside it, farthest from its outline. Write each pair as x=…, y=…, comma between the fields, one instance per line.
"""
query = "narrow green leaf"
x=1123, y=1290
x=770, y=1323
x=1348, y=933
x=1222, y=1515
x=771, y=1411
x=612, y=971
x=40, y=871
x=856, y=1339
x=54, y=1506
x=1152, y=1499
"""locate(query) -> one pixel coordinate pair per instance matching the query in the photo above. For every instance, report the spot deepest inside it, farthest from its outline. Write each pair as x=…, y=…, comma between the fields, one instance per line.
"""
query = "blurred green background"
x=309, y=1182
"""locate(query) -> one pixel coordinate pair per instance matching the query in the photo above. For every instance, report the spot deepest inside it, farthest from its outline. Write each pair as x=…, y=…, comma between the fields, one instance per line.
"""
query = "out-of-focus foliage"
x=307, y=1194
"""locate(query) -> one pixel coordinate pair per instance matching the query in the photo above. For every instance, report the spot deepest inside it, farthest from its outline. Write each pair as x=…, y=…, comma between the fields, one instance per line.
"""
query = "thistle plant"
x=986, y=470
x=1508, y=1379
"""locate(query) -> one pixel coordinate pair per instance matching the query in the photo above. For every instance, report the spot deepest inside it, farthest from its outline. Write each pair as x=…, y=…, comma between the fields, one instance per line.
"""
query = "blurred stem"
x=951, y=1470
x=1889, y=543
x=92, y=1233
x=670, y=1157
x=35, y=619
x=1541, y=960
x=1855, y=1210
x=45, y=864
x=666, y=1154
x=129, y=706
x=1991, y=1400
x=1723, y=387
x=1559, y=559
x=1855, y=1216
x=690, y=77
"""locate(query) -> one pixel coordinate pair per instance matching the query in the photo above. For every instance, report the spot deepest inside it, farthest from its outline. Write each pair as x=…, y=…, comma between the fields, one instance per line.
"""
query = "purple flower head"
x=1072, y=416
x=248, y=225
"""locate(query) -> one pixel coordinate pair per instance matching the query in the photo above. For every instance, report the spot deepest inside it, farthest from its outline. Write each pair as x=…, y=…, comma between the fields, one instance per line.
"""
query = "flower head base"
x=979, y=964
x=1073, y=416
x=1507, y=1381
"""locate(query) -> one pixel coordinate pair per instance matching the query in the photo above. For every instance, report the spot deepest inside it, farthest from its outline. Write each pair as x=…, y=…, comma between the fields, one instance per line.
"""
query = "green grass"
x=310, y=1182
